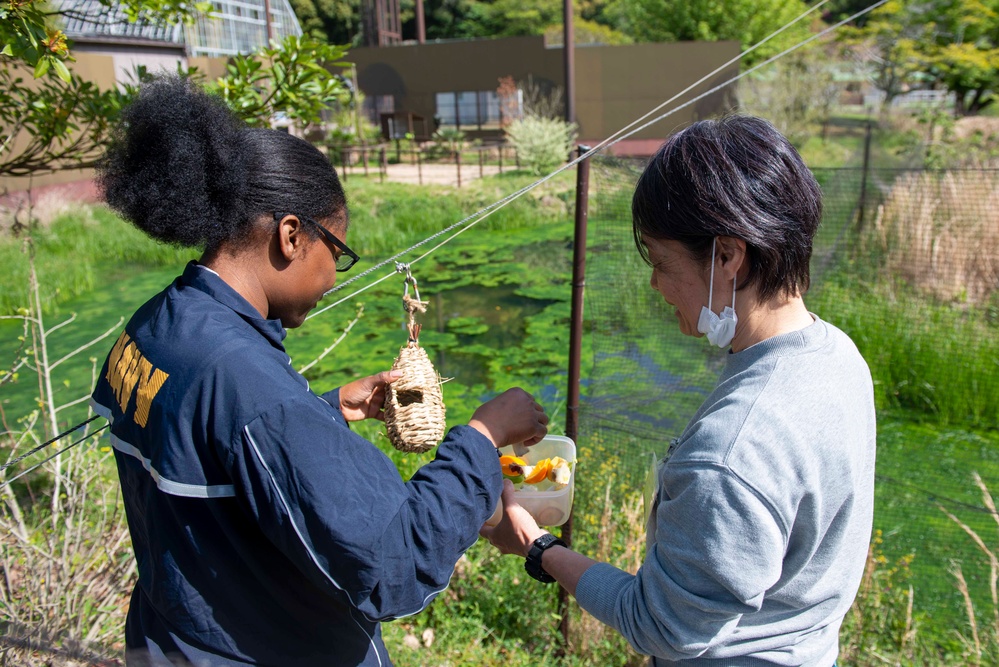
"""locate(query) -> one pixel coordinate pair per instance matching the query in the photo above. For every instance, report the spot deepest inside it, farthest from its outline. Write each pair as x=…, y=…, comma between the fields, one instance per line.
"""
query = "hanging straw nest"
x=414, y=404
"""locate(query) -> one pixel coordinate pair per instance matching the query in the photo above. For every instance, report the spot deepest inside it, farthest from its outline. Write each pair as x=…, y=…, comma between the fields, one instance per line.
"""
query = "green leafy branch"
x=292, y=79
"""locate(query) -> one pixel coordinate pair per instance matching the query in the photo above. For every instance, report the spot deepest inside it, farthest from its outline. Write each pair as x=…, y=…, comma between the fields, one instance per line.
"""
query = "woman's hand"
x=364, y=398
x=517, y=530
x=510, y=418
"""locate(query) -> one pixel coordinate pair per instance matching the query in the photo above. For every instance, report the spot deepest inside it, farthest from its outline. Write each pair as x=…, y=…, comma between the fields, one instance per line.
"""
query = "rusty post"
x=575, y=349
x=862, y=203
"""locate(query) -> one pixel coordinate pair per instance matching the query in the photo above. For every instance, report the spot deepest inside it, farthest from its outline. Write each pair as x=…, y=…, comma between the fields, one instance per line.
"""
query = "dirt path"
x=437, y=174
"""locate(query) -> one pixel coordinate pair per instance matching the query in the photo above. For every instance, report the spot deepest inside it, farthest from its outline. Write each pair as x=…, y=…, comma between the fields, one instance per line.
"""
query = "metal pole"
x=382, y=163
x=357, y=107
x=863, y=179
x=419, y=165
x=267, y=20
x=480, y=163
x=457, y=162
x=569, y=52
x=575, y=348
x=421, y=26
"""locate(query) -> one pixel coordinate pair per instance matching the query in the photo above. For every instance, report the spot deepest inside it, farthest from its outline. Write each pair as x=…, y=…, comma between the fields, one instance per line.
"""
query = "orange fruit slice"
x=540, y=472
x=513, y=466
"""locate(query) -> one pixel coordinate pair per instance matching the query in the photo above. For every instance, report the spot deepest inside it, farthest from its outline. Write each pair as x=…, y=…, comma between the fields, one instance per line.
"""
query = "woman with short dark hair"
x=764, y=504
x=264, y=530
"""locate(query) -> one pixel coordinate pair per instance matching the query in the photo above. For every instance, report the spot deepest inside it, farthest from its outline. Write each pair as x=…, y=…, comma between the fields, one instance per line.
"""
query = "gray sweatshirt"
x=758, y=541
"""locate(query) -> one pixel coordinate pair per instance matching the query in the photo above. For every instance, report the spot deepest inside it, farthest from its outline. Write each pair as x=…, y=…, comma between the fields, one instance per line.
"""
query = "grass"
x=77, y=252
x=951, y=354
x=499, y=312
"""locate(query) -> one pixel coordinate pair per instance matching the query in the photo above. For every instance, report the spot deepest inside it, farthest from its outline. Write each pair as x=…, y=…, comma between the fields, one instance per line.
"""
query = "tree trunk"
x=960, y=109
x=979, y=102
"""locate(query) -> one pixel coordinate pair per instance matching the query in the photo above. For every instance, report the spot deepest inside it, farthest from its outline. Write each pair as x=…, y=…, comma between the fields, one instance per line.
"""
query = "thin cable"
x=935, y=495
x=46, y=444
x=44, y=461
x=598, y=147
x=472, y=220
x=753, y=69
x=492, y=208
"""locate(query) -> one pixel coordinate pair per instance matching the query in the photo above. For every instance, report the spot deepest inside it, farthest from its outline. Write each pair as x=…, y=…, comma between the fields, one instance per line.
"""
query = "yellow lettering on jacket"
x=114, y=359
x=150, y=381
x=128, y=369
x=127, y=374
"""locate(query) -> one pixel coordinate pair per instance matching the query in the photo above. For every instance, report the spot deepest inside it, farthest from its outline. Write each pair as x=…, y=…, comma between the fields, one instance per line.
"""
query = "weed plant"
x=75, y=253
x=515, y=270
x=949, y=369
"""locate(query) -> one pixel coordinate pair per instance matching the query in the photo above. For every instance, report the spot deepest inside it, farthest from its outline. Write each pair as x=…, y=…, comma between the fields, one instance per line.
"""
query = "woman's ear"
x=290, y=237
x=731, y=254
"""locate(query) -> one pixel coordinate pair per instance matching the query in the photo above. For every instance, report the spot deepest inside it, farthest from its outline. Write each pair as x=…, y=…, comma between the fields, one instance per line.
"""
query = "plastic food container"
x=548, y=507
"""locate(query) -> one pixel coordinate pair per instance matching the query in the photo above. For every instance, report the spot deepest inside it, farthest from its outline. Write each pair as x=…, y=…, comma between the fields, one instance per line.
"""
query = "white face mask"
x=719, y=329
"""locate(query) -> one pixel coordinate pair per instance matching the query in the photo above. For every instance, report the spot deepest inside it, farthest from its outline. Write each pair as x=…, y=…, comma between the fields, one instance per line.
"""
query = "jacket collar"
x=205, y=280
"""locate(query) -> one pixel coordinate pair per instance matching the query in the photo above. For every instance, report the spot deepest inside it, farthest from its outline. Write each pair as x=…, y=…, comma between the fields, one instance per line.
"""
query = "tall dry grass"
x=981, y=642
x=940, y=232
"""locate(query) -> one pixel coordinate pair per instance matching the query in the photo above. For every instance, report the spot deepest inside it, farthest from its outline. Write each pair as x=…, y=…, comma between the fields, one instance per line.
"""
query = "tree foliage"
x=795, y=93
x=28, y=34
x=52, y=119
x=889, y=45
x=291, y=79
x=744, y=21
x=964, y=56
x=949, y=44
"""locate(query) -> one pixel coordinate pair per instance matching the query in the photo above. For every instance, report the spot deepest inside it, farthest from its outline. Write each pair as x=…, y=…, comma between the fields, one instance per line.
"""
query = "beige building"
x=108, y=48
x=454, y=84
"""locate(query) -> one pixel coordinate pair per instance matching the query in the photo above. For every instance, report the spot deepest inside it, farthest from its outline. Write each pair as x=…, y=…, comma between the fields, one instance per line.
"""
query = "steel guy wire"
x=486, y=211
x=49, y=458
x=46, y=444
x=600, y=146
x=473, y=219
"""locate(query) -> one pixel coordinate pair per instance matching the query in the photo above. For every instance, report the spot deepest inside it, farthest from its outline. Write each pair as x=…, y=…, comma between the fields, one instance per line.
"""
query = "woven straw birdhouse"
x=414, y=404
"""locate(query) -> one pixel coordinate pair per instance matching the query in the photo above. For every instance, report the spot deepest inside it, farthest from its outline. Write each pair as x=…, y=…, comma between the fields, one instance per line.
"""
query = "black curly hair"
x=184, y=169
x=736, y=176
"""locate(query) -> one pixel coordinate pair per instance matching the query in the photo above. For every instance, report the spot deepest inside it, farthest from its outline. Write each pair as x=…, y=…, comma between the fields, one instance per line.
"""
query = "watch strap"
x=533, y=562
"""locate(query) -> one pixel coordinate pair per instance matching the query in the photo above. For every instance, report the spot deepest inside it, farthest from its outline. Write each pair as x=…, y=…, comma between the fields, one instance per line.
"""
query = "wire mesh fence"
x=907, y=263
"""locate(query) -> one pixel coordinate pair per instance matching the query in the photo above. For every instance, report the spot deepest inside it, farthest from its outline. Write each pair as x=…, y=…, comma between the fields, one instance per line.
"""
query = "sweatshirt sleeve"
x=718, y=549
x=337, y=507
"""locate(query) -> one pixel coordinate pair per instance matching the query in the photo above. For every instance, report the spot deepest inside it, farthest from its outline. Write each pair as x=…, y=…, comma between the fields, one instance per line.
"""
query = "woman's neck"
x=236, y=270
x=760, y=321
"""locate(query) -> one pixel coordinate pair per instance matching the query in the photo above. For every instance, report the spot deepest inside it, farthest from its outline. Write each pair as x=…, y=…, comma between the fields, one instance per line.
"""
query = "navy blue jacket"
x=265, y=531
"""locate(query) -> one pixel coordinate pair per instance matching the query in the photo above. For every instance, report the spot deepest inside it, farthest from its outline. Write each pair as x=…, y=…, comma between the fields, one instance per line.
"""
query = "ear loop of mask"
x=719, y=330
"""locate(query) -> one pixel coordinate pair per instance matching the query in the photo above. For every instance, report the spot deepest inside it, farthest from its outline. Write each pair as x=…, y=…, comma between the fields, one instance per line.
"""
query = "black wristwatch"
x=533, y=562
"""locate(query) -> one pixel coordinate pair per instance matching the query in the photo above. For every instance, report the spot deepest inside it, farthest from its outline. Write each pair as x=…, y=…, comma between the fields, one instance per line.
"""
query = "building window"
x=447, y=111
x=474, y=110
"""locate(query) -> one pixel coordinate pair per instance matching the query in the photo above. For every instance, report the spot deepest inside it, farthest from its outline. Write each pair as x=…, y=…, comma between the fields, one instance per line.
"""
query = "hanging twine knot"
x=414, y=404
x=413, y=306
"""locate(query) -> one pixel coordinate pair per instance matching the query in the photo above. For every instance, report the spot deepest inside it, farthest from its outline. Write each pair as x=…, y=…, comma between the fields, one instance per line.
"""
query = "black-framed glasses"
x=347, y=256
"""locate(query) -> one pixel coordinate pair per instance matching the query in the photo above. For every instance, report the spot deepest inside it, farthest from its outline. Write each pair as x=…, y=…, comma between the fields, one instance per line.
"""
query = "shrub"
x=542, y=144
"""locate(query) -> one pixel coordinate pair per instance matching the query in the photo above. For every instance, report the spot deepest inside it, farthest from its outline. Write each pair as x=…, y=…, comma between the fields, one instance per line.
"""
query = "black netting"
x=912, y=276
